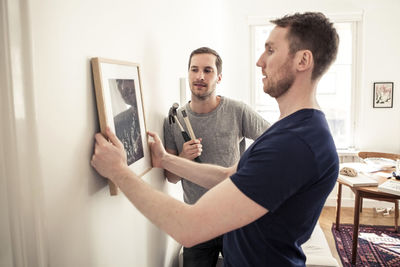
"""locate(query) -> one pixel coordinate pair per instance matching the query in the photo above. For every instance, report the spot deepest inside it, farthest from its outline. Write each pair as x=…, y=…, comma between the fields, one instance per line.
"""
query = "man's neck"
x=203, y=106
x=296, y=98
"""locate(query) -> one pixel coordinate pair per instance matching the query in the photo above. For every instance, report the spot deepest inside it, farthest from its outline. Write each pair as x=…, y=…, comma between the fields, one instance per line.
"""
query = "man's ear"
x=219, y=78
x=305, y=60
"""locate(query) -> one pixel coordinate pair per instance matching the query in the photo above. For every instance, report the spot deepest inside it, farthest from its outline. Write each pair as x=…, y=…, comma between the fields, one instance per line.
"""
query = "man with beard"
x=268, y=204
x=221, y=125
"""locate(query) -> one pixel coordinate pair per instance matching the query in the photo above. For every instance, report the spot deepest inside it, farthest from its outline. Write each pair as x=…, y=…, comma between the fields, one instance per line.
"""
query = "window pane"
x=334, y=89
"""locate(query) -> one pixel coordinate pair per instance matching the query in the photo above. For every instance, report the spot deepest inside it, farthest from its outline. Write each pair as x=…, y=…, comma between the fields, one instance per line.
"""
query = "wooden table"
x=360, y=193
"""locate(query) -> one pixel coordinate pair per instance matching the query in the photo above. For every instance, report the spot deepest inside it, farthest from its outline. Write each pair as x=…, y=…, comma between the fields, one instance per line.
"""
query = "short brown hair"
x=207, y=50
x=314, y=32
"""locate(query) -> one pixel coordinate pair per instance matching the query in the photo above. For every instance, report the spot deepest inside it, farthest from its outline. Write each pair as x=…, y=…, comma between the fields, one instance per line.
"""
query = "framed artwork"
x=120, y=106
x=383, y=95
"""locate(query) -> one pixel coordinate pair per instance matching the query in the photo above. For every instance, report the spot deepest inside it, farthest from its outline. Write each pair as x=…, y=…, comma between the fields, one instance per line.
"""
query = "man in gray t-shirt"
x=221, y=126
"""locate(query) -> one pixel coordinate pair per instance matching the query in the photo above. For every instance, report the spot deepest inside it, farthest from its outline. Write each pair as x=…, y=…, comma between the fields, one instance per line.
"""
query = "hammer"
x=172, y=117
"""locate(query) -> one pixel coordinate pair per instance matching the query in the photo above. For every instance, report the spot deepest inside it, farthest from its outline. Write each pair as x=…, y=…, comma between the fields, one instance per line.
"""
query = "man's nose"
x=260, y=61
x=200, y=75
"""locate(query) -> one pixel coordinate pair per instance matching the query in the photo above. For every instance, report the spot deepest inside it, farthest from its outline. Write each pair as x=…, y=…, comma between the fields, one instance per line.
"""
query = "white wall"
x=74, y=220
x=82, y=225
x=159, y=35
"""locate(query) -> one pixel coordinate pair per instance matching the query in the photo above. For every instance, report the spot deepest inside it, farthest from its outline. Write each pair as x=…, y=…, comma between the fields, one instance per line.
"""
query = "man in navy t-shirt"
x=289, y=170
x=268, y=204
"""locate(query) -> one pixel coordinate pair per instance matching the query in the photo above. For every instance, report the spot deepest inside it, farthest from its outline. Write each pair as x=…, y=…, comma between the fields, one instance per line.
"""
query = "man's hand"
x=191, y=149
x=157, y=150
x=109, y=157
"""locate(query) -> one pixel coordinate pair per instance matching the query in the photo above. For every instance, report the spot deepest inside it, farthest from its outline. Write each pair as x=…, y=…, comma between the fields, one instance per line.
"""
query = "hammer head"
x=172, y=113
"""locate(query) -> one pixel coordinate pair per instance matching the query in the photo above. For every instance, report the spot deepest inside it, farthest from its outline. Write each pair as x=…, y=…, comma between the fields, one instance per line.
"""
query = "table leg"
x=338, y=205
x=396, y=215
x=355, y=227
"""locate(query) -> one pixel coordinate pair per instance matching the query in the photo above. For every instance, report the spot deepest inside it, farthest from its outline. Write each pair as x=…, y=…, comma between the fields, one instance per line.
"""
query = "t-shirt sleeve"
x=169, y=135
x=274, y=171
x=253, y=124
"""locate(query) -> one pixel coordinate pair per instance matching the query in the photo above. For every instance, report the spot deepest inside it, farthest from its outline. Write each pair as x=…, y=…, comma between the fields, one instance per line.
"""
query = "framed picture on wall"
x=120, y=106
x=383, y=95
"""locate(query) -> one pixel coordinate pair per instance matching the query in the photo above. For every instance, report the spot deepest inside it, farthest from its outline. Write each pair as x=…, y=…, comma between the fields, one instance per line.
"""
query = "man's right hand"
x=191, y=149
x=109, y=157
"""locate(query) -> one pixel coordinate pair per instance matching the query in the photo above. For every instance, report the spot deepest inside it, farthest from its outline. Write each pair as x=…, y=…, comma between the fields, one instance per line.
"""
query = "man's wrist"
x=121, y=175
x=167, y=158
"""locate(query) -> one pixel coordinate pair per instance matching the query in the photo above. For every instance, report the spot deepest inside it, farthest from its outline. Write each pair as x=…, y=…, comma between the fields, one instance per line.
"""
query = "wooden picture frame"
x=383, y=94
x=119, y=100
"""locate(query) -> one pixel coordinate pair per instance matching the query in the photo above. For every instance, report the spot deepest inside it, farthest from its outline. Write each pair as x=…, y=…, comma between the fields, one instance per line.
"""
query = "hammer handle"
x=186, y=137
x=189, y=126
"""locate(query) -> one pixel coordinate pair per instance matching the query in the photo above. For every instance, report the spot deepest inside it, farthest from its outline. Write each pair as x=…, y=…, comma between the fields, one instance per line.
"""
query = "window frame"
x=356, y=19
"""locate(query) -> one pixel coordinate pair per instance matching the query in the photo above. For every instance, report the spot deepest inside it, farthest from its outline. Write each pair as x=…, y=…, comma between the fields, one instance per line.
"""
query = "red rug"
x=377, y=245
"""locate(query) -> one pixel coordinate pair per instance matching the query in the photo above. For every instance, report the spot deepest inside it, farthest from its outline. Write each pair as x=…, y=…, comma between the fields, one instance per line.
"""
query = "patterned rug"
x=377, y=245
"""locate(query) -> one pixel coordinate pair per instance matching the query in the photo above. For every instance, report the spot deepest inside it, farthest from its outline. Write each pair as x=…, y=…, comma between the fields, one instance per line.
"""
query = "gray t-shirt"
x=222, y=131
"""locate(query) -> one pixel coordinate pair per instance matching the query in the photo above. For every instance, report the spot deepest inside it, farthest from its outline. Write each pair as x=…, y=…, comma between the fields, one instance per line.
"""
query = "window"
x=336, y=89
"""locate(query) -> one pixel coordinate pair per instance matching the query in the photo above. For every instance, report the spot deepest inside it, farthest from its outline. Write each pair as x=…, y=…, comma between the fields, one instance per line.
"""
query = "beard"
x=202, y=95
x=277, y=88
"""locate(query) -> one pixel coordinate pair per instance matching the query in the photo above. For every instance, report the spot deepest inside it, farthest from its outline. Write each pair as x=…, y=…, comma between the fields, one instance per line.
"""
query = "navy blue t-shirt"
x=290, y=170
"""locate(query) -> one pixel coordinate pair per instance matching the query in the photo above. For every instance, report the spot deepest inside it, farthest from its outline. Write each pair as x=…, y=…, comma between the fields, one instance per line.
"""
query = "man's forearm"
x=205, y=175
x=172, y=216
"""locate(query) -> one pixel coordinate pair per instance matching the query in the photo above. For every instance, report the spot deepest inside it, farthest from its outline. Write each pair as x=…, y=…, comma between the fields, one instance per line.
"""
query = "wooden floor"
x=368, y=216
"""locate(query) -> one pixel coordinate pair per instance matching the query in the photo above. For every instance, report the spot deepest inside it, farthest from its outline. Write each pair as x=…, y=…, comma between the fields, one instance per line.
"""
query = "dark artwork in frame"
x=119, y=101
x=127, y=127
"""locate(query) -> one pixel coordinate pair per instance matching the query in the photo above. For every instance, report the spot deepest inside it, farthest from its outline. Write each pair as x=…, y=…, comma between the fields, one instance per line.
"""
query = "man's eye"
x=194, y=70
x=270, y=51
x=208, y=70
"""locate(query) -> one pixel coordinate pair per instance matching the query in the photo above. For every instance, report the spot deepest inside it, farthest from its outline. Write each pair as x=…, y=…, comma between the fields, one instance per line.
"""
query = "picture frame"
x=383, y=95
x=119, y=99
